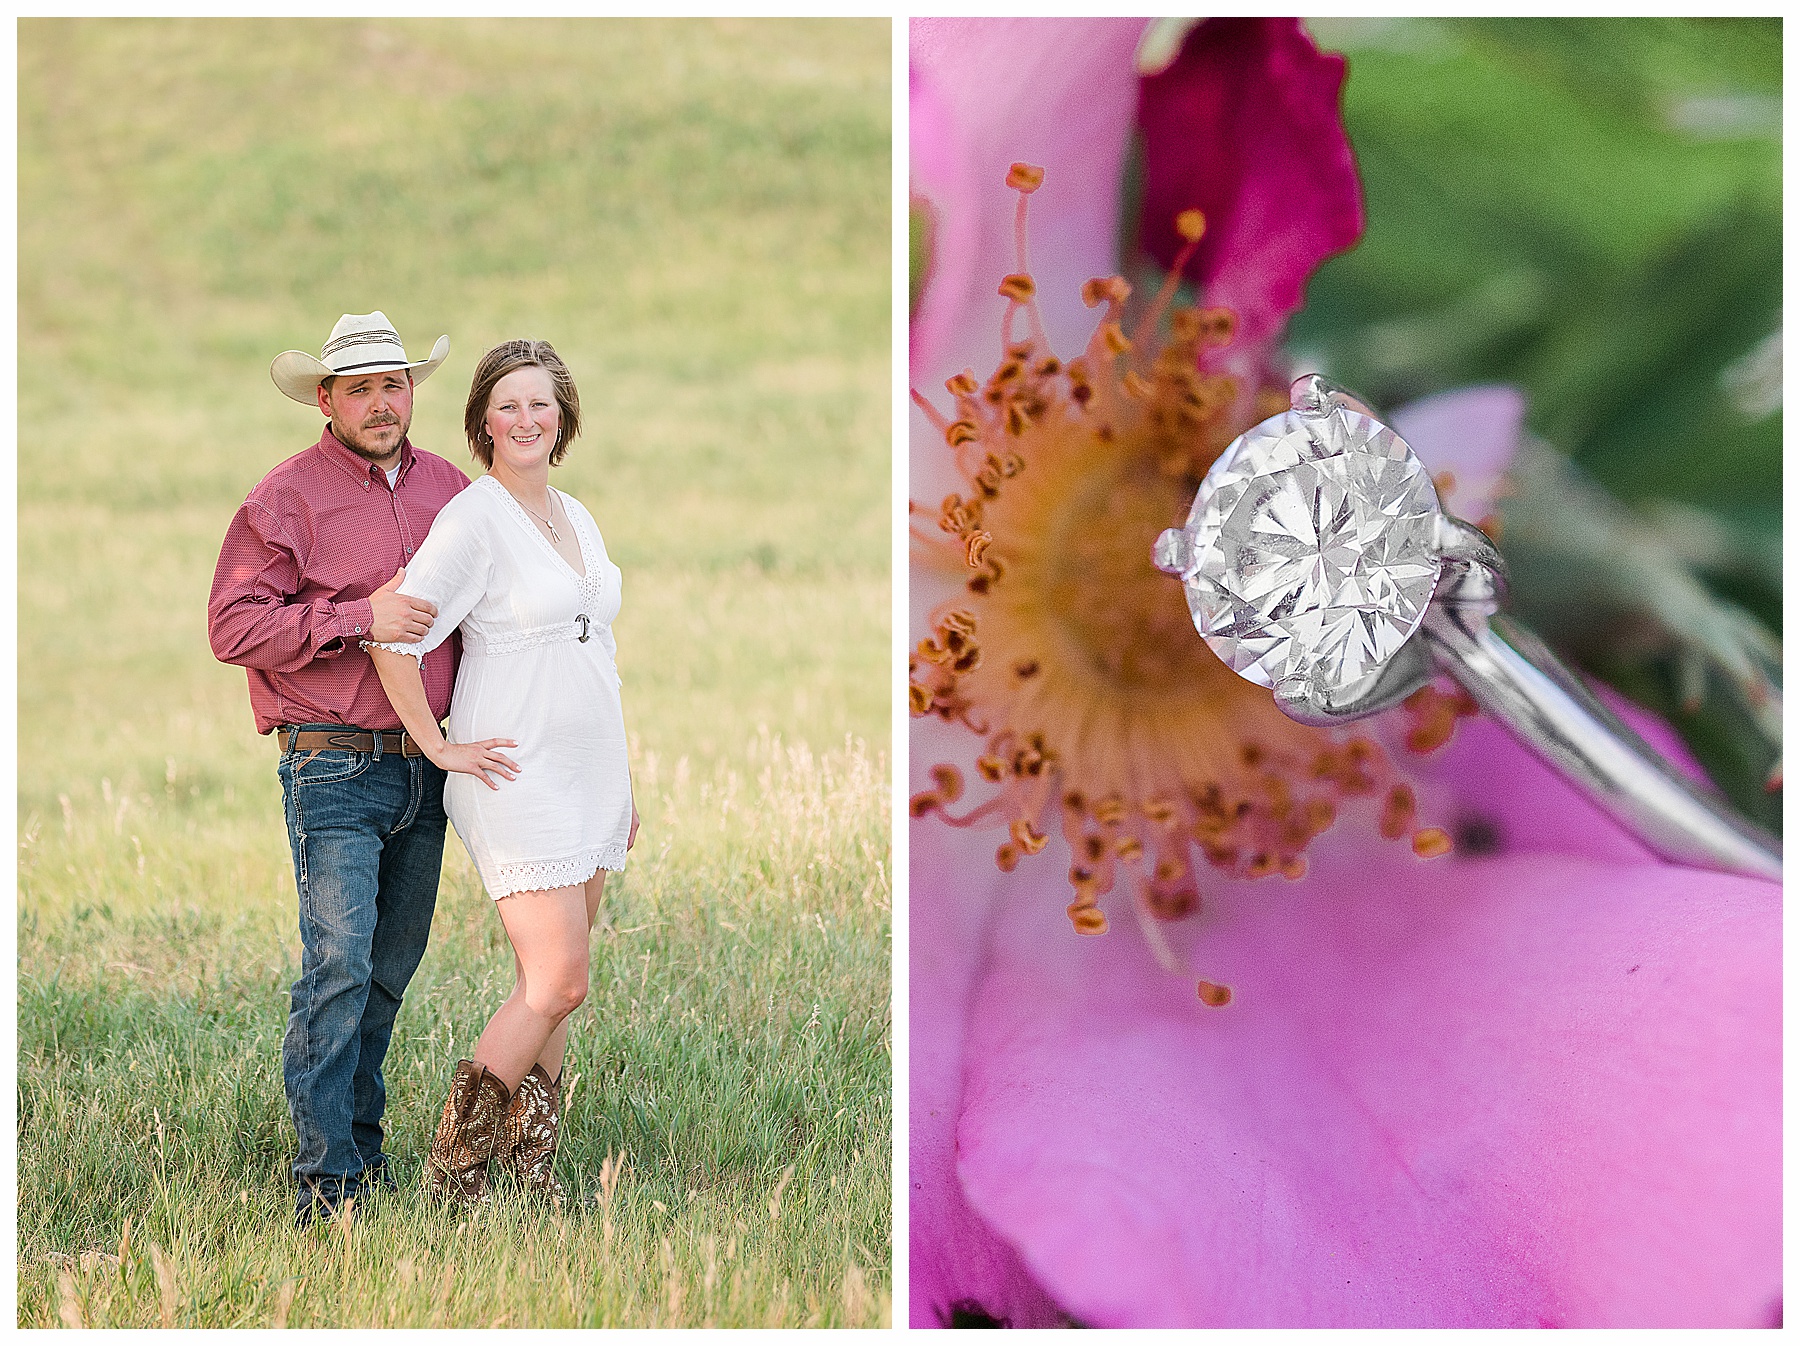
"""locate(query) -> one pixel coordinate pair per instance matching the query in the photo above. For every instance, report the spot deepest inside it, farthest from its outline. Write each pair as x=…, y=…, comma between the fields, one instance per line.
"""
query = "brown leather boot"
x=530, y=1132
x=468, y=1134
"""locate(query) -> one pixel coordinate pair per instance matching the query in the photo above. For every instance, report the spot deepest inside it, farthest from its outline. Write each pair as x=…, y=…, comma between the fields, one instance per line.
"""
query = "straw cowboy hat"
x=361, y=343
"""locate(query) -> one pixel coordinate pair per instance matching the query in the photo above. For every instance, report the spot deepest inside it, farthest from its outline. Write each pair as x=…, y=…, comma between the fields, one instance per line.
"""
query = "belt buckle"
x=582, y=618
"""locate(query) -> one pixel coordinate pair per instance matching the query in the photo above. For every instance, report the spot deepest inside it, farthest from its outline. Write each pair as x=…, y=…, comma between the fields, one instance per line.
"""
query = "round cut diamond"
x=1313, y=551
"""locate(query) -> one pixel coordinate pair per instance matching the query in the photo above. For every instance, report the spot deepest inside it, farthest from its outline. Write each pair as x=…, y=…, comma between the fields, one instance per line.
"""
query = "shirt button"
x=359, y=630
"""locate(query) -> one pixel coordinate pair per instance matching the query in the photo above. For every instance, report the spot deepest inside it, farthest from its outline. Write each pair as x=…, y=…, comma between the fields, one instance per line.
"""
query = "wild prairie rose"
x=1087, y=1133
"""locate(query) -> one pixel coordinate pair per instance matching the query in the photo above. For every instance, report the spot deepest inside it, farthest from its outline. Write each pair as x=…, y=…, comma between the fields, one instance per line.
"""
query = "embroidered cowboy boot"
x=530, y=1130
x=468, y=1134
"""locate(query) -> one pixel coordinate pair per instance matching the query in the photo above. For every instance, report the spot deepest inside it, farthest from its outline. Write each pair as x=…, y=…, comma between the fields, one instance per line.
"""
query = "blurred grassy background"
x=697, y=214
x=1590, y=209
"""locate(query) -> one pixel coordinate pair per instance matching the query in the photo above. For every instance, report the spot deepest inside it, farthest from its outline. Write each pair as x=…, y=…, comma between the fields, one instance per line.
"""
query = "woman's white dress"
x=527, y=674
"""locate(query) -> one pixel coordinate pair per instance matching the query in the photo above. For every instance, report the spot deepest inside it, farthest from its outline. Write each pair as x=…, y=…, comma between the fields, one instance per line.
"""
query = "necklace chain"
x=554, y=535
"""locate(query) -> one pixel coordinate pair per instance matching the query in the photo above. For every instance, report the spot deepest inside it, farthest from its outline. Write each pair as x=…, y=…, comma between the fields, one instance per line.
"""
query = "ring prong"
x=1312, y=394
x=1174, y=552
x=1296, y=698
x=1457, y=540
x=1315, y=395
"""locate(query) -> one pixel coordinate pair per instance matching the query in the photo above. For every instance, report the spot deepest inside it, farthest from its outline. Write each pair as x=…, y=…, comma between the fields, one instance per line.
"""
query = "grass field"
x=696, y=213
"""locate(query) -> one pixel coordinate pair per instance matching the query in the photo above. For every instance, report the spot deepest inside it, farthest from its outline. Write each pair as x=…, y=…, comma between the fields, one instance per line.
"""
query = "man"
x=308, y=572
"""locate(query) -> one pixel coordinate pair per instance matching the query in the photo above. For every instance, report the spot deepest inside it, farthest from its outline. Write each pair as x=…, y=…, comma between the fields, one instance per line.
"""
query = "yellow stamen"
x=1429, y=842
x=1088, y=920
x=1017, y=288
x=1026, y=178
x=1076, y=662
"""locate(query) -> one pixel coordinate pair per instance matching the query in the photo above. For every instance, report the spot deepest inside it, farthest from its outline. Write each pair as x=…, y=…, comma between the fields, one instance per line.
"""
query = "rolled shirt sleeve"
x=253, y=617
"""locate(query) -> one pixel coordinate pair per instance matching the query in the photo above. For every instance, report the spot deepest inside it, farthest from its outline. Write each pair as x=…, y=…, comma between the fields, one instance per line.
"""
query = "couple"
x=341, y=583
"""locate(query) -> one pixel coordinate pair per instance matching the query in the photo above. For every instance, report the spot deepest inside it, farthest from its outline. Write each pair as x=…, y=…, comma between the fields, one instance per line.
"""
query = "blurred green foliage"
x=1589, y=209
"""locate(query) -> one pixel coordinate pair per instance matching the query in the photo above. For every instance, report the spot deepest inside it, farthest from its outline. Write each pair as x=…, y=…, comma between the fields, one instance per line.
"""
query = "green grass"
x=696, y=213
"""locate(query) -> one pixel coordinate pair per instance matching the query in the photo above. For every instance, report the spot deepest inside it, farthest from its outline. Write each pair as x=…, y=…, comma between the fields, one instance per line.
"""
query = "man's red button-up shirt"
x=290, y=598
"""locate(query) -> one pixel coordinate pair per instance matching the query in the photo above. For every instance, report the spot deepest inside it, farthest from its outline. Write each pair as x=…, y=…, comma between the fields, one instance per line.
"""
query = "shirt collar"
x=356, y=465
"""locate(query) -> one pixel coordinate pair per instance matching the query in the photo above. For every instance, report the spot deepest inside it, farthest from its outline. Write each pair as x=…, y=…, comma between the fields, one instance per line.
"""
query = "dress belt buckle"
x=582, y=619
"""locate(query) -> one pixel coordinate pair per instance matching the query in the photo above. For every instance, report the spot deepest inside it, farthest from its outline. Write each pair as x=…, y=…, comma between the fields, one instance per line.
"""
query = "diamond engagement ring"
x=1318, y=562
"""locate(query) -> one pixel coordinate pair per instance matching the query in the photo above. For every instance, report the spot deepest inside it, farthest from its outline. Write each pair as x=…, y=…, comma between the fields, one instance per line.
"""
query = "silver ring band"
x=1515, y=678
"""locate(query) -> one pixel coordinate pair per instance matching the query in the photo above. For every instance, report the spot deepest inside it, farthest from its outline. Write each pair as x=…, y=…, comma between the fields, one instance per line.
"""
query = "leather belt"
x=289, y=739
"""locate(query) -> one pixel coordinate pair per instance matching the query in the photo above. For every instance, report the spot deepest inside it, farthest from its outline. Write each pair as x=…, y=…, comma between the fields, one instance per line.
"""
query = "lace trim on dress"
x=532, y=875
x=513, y=641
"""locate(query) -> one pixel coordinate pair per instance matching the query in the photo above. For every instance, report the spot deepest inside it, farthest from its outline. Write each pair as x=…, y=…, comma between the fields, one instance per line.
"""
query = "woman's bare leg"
x=549, y=933
x=551, y=1058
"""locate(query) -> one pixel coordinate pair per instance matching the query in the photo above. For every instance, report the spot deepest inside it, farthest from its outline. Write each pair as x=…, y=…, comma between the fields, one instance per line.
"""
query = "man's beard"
x=357, y=441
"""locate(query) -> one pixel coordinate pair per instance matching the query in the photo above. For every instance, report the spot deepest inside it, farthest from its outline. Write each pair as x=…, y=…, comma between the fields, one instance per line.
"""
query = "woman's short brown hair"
x=496, y=365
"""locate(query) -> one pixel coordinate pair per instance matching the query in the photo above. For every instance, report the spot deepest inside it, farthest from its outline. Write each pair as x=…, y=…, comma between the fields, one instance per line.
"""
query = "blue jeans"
x=367, y=834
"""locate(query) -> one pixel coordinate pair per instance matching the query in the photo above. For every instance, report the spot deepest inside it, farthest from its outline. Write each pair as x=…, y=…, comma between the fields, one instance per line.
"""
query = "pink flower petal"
x=1059, y=93
x=1520, y=1091
x=1245, y=127
x=953, y=1257
x=1471, y=433
x=1488, y=783
x=943, y=183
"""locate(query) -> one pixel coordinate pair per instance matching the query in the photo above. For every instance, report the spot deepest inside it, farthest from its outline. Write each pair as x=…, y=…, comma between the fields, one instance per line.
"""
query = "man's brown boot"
x=468, y=1134
x=530, y=1134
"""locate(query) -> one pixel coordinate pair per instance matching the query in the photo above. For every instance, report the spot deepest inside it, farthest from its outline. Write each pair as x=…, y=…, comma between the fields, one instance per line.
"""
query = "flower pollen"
x=1213, y=995
x=1074, y=659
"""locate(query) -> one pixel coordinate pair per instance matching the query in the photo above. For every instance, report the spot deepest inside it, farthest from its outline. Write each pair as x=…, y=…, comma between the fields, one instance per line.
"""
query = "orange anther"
x=949, y=782
x=1027, y=837
x=1088, y=920
x=960, y=620
x=1026, y=178
x=1429, y=842
x=1017, y=287
x=1397, y=815
x=1190, y=224
x=1221, y=326
x=1213, y=995
x=1173, y=904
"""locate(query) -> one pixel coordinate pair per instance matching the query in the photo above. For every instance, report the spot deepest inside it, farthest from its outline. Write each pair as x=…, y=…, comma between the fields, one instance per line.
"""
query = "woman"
x=521, y=569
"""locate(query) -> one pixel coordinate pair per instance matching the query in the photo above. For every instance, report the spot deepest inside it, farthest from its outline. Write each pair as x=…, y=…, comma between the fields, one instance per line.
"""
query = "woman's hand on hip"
x=479, y=759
